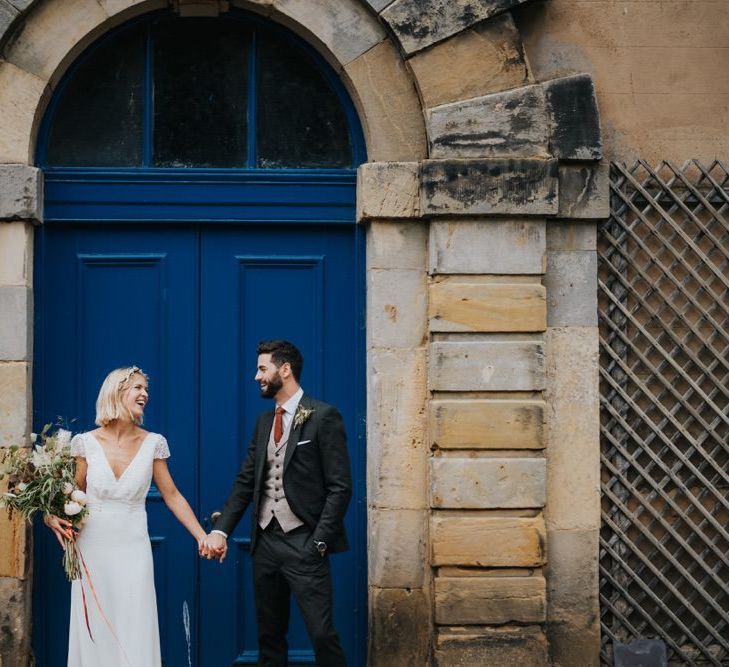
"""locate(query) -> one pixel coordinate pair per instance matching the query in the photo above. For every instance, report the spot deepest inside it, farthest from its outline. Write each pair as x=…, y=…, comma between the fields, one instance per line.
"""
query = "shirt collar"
x=293, y=403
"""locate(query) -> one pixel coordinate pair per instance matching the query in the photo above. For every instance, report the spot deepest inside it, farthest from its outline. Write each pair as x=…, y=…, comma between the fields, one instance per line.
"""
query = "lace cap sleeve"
x=161, y=448
x=77, y=445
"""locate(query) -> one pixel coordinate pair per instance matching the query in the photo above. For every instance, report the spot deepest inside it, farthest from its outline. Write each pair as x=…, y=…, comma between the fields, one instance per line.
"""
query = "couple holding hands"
x=296, y=475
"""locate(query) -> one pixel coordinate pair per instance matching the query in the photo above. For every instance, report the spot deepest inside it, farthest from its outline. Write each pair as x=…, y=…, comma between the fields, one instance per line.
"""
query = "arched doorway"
x=196, y=169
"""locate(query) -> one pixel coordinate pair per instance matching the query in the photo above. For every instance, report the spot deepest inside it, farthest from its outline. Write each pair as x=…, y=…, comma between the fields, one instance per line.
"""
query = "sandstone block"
x=488, y=57
x=51, y=33
x=489, y=186
x=345, y=27
x=397, y=548
x=489, y=600
x=486, y=366
x=569, y=235
x=571, y=282
x=418, y=25
x=487, y=541
x=487, y=424
x=573, y=610
x=504, y=247
x=15, y=621
x=394, y=245
x=379, y=5
x=8, y=14
x=16, y=253
x=509, y=124
x=113, y=7
x=584, y=191
x=499, y=483
x=388, y=190
x=396, y=429
x=14, y=403
x=388, y=105
x=576, y=133
x=396, y=308
x=16, y=323
x=21, y=192
x=455, y=305
x=508, y=646
x=20, y=94
x=399, y=628
x=21, y=5
x=573, y=428
x=14, y=543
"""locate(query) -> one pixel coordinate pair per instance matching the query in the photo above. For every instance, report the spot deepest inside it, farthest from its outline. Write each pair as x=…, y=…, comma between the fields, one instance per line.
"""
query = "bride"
x=115, y=466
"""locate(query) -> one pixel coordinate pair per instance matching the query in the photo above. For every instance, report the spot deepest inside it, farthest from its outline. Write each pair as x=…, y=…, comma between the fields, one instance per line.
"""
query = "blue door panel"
x=108, y=298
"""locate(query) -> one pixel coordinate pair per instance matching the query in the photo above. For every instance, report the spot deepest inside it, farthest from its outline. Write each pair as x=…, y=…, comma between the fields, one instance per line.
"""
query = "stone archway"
x=481, y=196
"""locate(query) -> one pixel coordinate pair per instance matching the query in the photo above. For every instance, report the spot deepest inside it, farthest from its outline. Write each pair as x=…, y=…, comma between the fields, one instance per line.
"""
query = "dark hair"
x=282, y=351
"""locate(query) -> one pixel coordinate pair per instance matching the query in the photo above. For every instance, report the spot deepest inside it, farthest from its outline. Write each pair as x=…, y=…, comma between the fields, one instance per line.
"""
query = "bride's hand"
x=62, y=529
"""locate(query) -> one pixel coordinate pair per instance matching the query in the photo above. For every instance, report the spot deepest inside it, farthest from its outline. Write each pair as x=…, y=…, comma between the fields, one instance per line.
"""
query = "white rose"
x=72, y=508
x=63, y=437
x=79, y=496
x=21, y=487
x=33, y=437
x=67, y=488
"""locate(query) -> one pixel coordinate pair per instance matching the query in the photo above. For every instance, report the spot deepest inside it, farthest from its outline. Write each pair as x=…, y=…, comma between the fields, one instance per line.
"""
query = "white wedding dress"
x=115, y=546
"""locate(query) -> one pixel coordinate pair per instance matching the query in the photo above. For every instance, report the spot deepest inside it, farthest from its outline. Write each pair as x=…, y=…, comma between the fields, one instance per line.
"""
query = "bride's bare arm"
x=175, y=500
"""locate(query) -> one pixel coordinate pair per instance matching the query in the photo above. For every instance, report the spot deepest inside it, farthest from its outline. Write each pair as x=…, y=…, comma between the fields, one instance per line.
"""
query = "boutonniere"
x=302, y=415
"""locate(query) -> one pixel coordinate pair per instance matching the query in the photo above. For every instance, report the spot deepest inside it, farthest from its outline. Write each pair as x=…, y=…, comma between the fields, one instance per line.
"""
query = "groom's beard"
x=272, y=387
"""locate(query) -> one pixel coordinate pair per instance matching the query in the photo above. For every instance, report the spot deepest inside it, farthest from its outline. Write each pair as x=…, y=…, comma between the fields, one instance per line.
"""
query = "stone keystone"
x=576, y=131
x=489, y=187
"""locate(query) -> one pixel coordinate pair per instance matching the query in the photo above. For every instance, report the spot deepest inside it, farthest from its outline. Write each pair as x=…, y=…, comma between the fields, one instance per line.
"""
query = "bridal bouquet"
x=43, y=479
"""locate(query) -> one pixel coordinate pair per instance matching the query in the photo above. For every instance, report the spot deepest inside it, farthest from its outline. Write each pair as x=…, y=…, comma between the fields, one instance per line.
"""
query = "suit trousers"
x=284, y=563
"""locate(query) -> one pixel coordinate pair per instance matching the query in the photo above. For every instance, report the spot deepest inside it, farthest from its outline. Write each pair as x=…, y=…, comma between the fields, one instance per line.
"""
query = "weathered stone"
x=21, y=192
x=388, y=190
x=571, y=282
x=388, y=105
x=573, y=428
x=486, y=366
x=16, y=253
x=15, y=324
x=379, y=5
x=584, y=191
x=399, y=627
x=20, y=94
x=14, y=403
x=418, y=25
x=476, y=483
x=21, y=5
x=487, y=424
x=397, y=547
x=396, y=308
x=345, y=27
x=14, y=542
x=569, y=235
x=489, y=57
x=489, y=186
x=487, y=541
x=51, y=33
x=397, y=446
x=489, y=600
x=573, y=609
x=394, y=245
x=15, y=622
x=507, y=646
x=113, y=7
x=503, y=247
x=8, y=14
x=510, y=124
x=489, y=307
x=576, y=133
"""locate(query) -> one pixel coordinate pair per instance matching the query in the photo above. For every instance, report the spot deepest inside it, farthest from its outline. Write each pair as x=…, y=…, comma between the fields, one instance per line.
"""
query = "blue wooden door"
x=188, y=303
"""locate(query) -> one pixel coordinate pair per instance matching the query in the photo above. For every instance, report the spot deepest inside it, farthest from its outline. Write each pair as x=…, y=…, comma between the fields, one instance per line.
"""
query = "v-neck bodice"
x=130, y=489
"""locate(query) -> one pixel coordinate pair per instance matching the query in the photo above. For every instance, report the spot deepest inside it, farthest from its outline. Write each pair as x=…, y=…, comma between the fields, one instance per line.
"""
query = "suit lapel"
x=294, y=434
x=262, y=445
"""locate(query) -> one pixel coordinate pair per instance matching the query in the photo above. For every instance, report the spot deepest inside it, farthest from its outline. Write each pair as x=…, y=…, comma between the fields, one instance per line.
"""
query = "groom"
x=297, y=476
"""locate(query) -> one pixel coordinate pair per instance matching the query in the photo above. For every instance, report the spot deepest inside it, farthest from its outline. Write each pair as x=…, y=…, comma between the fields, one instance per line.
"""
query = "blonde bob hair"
x=109, y=406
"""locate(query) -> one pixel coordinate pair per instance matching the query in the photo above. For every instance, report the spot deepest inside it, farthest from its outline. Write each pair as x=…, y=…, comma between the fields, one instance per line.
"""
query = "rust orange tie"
x=278, y=425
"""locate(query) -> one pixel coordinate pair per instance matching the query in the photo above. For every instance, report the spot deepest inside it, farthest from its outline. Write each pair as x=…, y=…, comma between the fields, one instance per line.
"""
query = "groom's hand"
x=214, y=545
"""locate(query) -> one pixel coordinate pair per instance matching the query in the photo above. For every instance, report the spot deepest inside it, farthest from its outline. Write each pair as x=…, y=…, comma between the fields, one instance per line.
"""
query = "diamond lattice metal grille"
x=663, y=293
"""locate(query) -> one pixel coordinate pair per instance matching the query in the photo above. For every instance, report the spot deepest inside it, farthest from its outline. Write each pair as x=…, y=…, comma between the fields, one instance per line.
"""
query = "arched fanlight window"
x=225, y=92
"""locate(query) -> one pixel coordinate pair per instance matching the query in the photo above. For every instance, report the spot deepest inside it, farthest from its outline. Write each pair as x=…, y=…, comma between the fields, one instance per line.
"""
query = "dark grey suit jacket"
x=317, y=479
